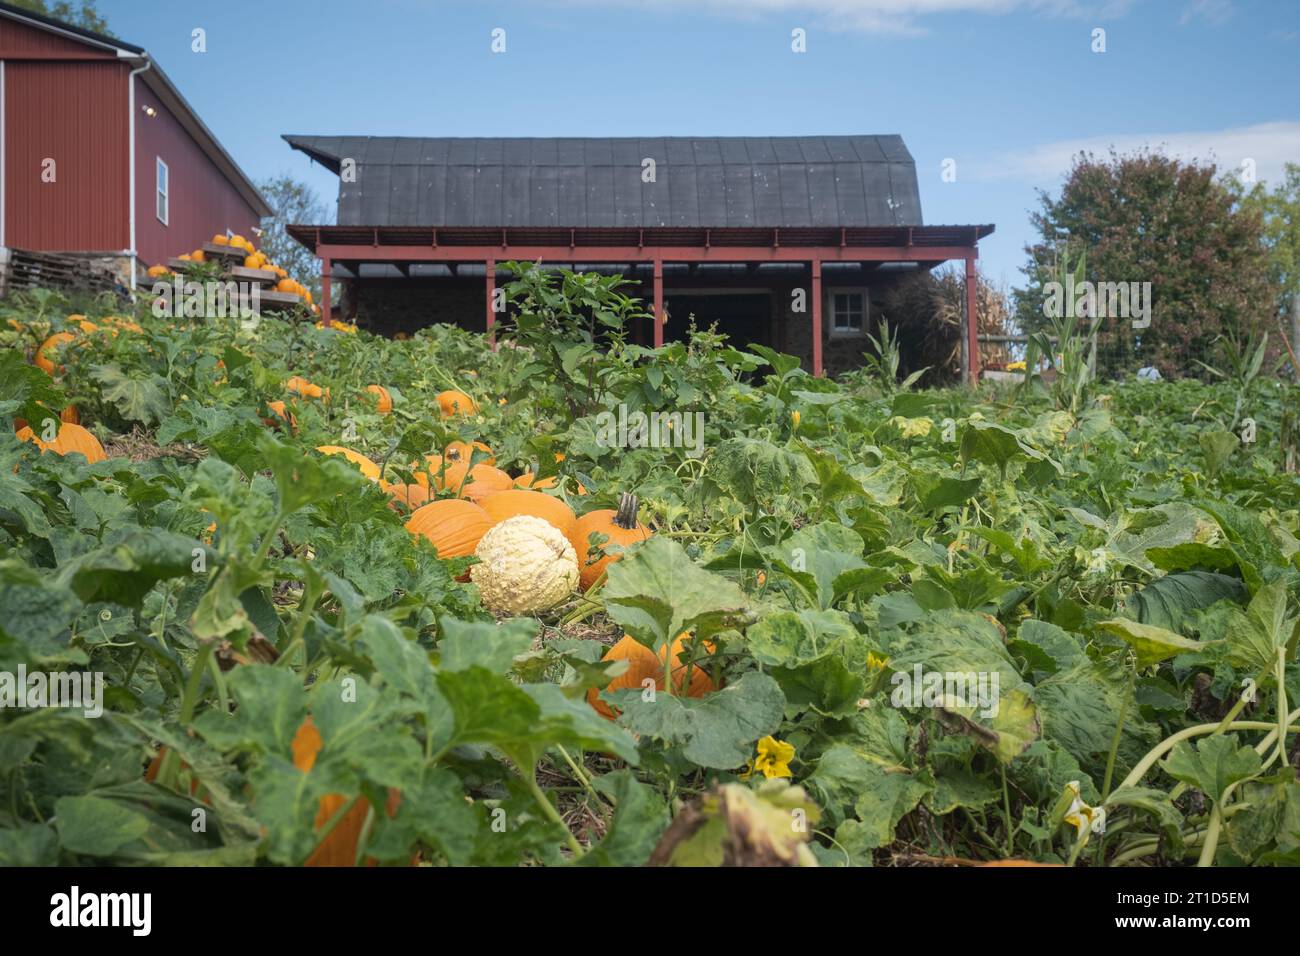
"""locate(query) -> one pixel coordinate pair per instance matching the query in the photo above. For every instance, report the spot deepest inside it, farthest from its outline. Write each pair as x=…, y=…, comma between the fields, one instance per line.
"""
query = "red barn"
x=100, y=154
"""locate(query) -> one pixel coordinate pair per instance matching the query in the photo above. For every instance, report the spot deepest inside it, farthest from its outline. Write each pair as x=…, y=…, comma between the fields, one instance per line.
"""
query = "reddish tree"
x=1149, y=218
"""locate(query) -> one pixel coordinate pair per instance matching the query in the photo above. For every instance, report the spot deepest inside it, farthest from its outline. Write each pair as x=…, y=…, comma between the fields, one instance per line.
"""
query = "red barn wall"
x=20, y=40
x=202, y=200
x=73, y=112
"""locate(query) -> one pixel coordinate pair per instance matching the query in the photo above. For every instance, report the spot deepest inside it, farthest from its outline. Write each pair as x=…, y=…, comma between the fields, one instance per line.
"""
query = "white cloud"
x=878, y=16
x=1270, y=145
x=1214, y=12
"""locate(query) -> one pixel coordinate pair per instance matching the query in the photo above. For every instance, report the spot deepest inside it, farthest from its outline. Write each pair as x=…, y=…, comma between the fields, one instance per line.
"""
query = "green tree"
x=81, y=14
x=293, y=202
x=1149, y=218
x=1279, y=211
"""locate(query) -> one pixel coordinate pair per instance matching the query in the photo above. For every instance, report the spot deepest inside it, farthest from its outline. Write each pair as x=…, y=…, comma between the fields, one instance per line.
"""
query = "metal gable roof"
x=709, y=182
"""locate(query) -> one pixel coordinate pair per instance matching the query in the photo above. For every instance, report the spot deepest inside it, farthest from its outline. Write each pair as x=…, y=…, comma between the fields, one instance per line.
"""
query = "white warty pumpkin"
x=528, y=565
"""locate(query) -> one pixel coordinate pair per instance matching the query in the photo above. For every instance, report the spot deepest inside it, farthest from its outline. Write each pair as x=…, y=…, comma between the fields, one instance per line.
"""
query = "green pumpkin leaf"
x=1151, y=644
x=1213, y=766
x=656, y=592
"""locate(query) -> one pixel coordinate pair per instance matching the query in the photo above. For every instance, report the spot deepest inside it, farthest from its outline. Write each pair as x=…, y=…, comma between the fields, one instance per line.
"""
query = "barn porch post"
x=817, y=317
x=659, y=303
x=491, y=282
x=326, y=305
x=972, y=370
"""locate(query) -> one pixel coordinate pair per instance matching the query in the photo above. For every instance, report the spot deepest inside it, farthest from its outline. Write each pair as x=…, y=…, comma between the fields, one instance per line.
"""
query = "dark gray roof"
x=719, y=181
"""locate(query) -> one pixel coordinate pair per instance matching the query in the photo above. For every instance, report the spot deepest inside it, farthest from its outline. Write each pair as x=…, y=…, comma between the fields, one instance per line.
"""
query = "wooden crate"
x=224, y=252
x=260, y=276
x=279, y=299
x=51, y=270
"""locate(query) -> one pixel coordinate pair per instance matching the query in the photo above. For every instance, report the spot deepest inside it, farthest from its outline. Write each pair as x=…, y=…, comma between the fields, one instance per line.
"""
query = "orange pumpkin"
x=123, y=323
x=198, y=256
x=157, y=272
x=452, y=525
x=383, y=401
x=221, y=239
x=409, y=496
x=620, y=527
x=300, y=386
x=453, y=402
x=71, y=438
x=282, y=414
x=520, y=501
x=529, y=480
x=368, y=467
x=462, y=450
x=644, y=663
x=340, y=847
x=474, y=483
x=43, y=359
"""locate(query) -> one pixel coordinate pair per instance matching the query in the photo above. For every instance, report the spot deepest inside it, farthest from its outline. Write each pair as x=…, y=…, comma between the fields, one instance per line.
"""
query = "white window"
x=848, y=308
x=162, y=192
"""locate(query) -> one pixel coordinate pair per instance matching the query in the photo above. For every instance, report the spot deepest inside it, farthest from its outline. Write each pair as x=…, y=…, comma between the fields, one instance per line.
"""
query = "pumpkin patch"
x=949, y=627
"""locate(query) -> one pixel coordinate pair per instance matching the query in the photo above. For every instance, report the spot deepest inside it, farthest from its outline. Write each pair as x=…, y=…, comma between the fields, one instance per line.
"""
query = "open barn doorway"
x=744, y=317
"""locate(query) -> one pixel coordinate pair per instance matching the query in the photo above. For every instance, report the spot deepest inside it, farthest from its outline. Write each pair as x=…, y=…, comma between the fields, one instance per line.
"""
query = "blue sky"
x=1009, y=89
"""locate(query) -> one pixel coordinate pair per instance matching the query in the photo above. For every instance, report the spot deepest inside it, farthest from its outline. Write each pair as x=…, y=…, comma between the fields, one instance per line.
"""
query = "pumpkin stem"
x=625, y=517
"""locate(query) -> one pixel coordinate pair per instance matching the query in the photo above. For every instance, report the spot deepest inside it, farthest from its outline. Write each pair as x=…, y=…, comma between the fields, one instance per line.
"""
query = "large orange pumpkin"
x=71, y=438
x=340, y=847
x=463, y=450
x=644, y=663
x=368, y=467
x=410, y=496
x=529, y=480
x=43, y=359
x=383, y=401
x=620, y=527
x=520, y=501
x=473, y=483
x=454, y=526
x=453, y=402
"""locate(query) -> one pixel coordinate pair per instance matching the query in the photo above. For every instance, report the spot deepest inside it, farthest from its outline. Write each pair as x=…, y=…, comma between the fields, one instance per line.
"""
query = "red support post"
x=972, y=323
x=659, y=303
x=326, y=265
x=491, y=295
x=817, y=317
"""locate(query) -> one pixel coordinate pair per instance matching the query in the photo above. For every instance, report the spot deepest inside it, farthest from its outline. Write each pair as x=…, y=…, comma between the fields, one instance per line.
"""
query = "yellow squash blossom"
x=912, y=427
x=773, y=758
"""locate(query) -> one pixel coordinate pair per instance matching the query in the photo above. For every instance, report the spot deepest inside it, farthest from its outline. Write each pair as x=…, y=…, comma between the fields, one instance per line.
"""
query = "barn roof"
x=710, y=182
